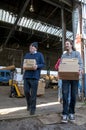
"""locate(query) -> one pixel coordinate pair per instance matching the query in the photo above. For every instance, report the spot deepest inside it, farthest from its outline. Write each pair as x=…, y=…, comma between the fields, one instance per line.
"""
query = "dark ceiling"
x=47, y=11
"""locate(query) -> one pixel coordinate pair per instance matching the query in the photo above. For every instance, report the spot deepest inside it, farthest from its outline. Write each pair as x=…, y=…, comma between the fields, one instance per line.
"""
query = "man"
x=31, y=77
x=69, y=108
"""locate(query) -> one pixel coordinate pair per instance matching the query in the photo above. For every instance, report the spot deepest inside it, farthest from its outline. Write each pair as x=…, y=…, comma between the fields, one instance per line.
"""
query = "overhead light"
x=31, y=7
x=20, y=28
x=47, y=45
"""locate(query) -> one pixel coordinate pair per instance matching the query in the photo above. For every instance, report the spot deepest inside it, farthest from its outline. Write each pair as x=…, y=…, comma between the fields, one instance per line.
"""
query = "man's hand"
x=81, y=72
x=35, y=67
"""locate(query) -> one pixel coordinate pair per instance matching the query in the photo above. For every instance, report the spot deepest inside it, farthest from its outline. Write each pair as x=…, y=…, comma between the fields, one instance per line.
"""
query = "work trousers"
x=30, y=90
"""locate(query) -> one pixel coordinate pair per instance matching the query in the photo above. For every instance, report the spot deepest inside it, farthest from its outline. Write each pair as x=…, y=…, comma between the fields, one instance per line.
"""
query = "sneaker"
x=58, y=99
x=28, y=108
x=64, y=119
x=72, y=117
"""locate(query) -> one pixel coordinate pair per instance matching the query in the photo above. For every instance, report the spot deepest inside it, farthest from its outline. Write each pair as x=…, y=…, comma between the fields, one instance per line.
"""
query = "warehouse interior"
x=21, y=23
x=26, y=21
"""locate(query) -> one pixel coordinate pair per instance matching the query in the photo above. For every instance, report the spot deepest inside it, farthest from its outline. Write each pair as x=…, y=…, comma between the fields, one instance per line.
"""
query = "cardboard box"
x=20, y=85
x=21, y=89
x=68, y=75
x=29, y=63
x=69, y=69
x=69, y=61
x=41, y=87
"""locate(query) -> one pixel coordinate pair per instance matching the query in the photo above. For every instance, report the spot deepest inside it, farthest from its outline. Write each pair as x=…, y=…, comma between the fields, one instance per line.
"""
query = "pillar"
x=63, y=28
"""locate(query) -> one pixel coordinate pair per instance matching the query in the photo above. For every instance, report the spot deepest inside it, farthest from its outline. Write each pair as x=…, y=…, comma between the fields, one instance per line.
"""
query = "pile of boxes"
x=29, y=63
x=69, y=69
x=21, y=87
x=41, y=87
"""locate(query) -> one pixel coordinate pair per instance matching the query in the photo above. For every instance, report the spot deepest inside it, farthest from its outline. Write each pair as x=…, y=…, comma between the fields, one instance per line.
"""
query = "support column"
x=85, y=68
x=77, y=31
x=75, y=18
x=63, y=28
x=84, y=41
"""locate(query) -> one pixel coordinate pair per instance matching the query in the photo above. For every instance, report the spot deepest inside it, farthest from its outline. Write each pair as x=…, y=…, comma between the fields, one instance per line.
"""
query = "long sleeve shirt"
x=74, y=54
x=34, y=74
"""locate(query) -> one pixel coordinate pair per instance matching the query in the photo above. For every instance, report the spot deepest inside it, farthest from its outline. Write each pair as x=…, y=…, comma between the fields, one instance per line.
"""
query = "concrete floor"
x=13, y=113
x=48, y=109
x=16, y=107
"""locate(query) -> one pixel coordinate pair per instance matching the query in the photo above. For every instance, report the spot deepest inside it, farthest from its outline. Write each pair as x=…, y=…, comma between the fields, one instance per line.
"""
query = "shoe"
x=72, y=117
x=64, y=119
x=28, y=108
x=32, y=112
x=59, y=99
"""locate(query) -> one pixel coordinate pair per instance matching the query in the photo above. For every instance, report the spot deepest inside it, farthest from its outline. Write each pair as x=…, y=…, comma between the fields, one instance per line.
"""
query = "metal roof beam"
x=68, y=2
x=19, y=16
x=55, y=4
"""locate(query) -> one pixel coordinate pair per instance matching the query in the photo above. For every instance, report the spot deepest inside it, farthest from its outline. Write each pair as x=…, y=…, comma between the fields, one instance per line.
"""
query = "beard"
x=67, y=49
